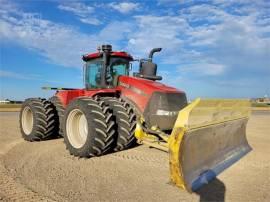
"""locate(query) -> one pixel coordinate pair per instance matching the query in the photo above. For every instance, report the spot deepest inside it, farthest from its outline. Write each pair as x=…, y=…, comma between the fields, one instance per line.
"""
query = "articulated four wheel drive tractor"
x=116, y=110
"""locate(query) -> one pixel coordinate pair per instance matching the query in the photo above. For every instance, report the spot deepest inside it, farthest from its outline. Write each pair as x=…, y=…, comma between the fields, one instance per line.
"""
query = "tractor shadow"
x=214, y=191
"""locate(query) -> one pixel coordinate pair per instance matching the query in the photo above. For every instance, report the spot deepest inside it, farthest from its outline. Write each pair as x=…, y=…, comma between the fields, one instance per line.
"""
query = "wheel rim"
x=77, y=128
x=27, y=120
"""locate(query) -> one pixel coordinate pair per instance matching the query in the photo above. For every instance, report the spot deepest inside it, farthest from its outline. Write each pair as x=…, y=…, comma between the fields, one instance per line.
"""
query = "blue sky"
x=218, y=48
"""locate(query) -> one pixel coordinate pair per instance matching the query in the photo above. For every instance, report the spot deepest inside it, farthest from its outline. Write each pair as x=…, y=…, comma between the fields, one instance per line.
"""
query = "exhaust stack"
x=148, y=69
x=154, y=50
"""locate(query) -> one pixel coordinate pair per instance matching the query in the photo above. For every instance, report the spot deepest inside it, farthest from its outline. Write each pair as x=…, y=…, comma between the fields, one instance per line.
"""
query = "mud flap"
x=208, y=137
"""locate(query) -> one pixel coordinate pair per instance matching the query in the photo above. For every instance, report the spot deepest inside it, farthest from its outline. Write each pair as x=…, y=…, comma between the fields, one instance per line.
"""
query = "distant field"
x=260, y=105
x=10, y=107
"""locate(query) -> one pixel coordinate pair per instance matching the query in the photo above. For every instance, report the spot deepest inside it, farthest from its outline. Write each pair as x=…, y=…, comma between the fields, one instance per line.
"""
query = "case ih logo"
x=124, y=85
x=132, y=88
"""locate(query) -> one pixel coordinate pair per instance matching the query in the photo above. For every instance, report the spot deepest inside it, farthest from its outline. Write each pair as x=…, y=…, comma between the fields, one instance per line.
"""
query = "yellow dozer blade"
x=208, y=136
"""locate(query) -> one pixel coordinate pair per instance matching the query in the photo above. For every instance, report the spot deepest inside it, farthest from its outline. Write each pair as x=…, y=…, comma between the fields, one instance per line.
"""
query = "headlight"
x=161, y=112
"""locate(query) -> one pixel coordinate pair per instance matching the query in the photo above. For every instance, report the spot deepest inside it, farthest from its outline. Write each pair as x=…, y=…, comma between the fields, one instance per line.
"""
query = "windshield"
x=93, y=74
x=118, y=66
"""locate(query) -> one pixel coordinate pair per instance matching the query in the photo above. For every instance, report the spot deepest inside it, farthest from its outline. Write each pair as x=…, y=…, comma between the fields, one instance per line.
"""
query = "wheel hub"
x=77, y=128
x=27, y=120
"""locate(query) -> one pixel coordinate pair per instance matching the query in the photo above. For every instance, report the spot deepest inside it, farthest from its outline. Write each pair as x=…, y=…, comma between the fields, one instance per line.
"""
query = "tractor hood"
x=157, y=103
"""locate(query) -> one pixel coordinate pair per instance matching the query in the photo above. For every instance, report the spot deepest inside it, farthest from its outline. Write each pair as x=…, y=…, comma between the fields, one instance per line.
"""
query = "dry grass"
x=260, y=108
x=263, y=105
x=10, y=107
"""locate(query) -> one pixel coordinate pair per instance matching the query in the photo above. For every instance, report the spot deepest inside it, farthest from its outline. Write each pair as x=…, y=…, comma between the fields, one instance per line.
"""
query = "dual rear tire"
x=60, y=110
x=90, y=126
x=37, y=119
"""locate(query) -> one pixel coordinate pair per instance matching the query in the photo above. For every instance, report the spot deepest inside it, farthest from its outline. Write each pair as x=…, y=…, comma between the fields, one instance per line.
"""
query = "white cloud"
x=157, y=31
x=60, y=44
x=124, y=7
x=172, y=33
x=207, y=69
x=223, y=41
x=9, y=74
x=77, y=8
x=217, y=39
x=82, y=11
x=16, y=75
x=237, y=41
x=56, y=42
x=116, y=31
x=203, y=12
x=90, y=21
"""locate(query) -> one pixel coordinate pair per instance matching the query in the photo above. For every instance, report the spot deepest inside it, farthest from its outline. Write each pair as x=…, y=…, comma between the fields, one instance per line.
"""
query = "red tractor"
x=116, y=110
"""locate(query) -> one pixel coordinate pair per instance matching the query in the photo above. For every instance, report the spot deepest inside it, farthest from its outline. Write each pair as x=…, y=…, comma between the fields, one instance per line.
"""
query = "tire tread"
x=125, y=119
x=60, y=113
x=45, y=119
x=102, y=135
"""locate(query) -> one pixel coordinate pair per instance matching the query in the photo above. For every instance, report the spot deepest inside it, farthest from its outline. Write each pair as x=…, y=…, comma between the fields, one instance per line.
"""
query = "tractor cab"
x=103, y=68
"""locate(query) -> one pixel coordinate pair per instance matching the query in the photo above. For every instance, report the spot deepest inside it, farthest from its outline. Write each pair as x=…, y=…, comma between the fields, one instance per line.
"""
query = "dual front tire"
x=89, y=128
x=125, y=119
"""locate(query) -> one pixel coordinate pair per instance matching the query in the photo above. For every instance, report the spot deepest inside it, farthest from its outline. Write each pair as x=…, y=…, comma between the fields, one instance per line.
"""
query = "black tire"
x=43, y=119
x=125, y=119
x=60, y=113
x=100, y=134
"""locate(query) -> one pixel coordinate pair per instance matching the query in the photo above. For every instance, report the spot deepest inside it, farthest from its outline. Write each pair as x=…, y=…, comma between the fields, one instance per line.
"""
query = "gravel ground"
x=44, y=171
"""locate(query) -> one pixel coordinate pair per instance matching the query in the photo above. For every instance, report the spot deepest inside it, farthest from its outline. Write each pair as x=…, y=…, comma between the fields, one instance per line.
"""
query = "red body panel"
x=68, y=95
x=92, y=56
x=136, y=90
x=139, y=91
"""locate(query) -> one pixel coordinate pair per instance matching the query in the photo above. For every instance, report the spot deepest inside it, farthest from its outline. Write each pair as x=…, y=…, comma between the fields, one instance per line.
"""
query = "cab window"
x=93, y=70
x=93, y=74
x=118, y=66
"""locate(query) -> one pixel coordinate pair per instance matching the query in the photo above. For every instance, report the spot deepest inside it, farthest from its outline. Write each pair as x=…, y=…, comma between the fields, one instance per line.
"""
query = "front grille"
x=162, y=109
